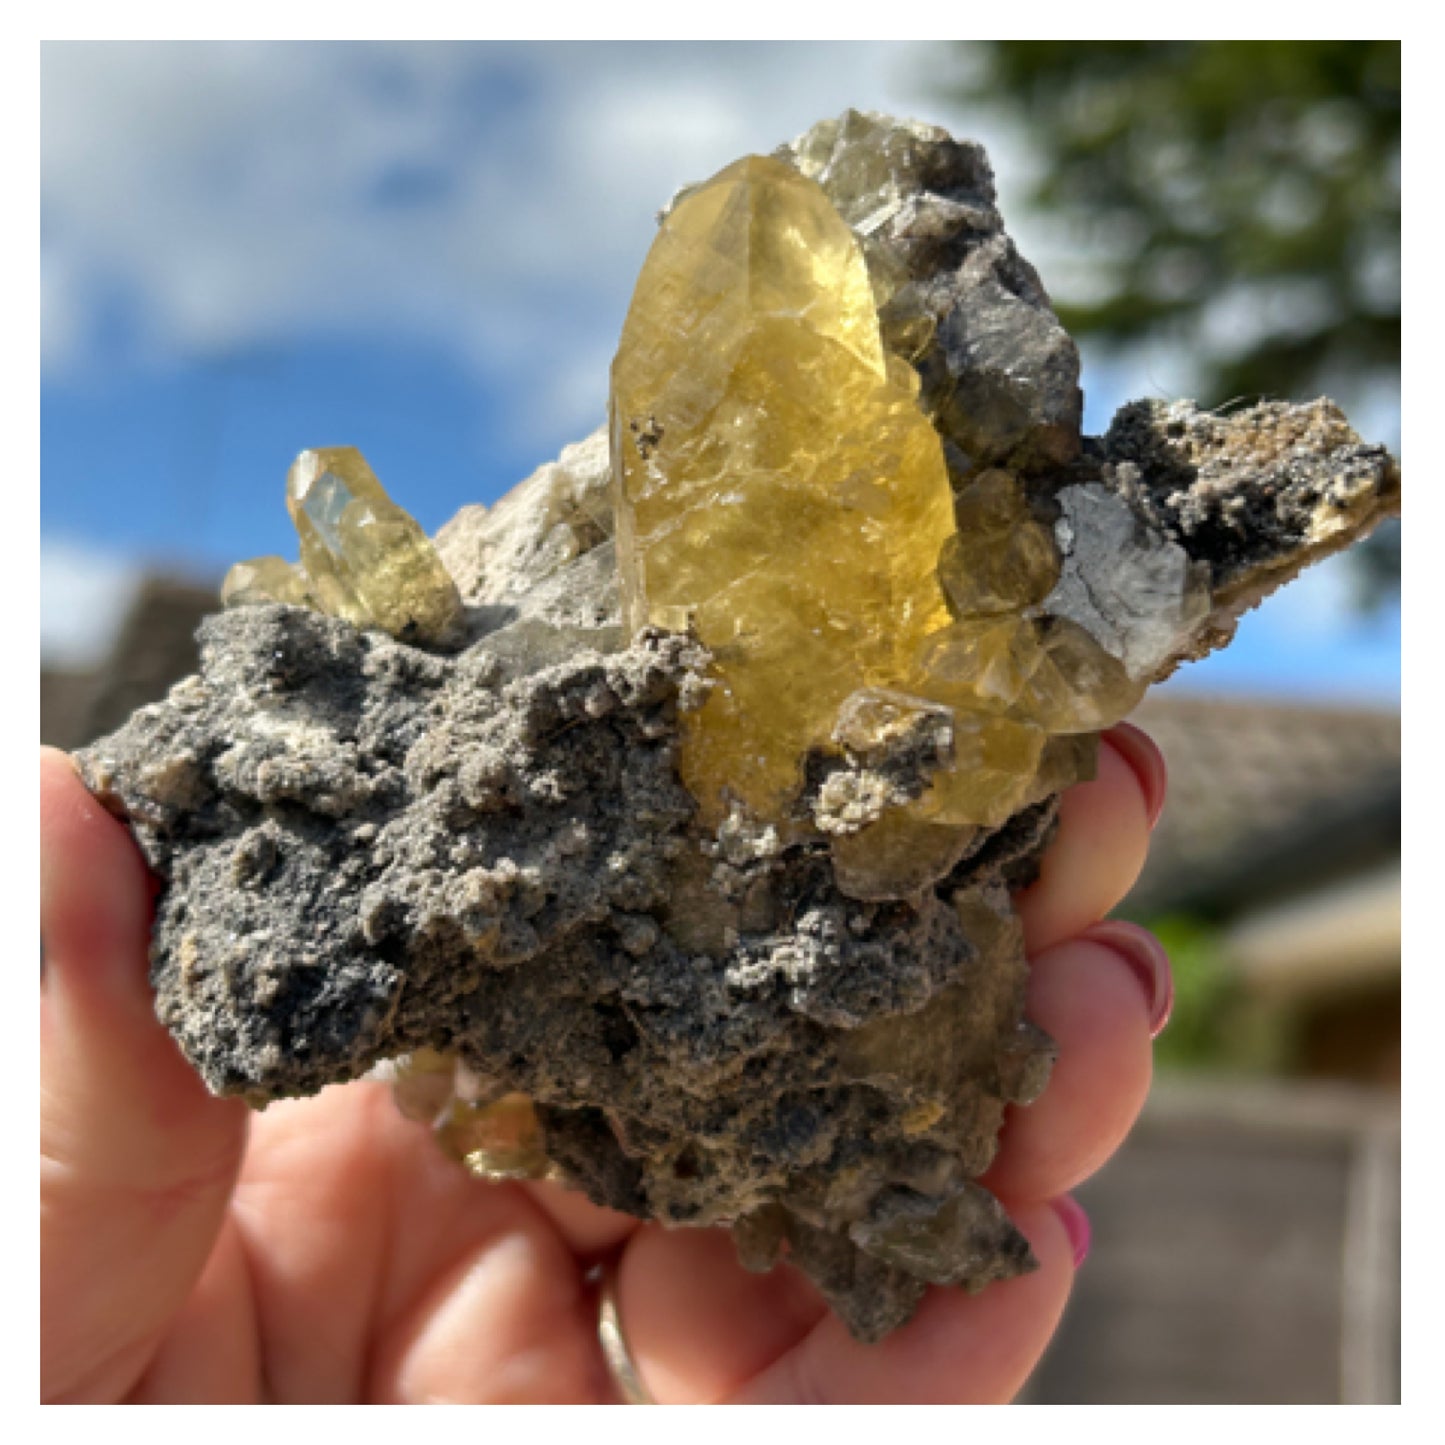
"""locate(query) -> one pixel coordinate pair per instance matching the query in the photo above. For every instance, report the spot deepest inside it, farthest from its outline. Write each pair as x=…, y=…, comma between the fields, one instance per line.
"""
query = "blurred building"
x=1282, y=836
x=1246, y=1250
x=1246, y=1238
x=154, y=648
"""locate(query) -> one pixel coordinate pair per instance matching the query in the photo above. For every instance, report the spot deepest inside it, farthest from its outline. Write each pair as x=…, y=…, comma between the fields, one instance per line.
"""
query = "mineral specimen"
x=362, y=557
x=706, y=910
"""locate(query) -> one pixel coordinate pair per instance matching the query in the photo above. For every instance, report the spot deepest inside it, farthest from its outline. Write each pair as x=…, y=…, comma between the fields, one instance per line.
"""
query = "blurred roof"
x=1267, y=799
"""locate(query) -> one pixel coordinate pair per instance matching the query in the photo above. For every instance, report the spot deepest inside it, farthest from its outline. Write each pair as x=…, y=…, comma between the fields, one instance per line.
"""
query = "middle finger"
x=1099, y=850
x=1102, y=997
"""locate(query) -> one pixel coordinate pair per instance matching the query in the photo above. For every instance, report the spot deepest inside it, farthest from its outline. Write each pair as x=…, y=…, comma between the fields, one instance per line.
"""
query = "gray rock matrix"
x=368, y=849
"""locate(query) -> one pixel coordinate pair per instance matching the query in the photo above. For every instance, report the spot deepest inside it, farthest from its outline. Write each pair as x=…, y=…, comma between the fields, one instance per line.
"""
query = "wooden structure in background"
x=1246, y=1251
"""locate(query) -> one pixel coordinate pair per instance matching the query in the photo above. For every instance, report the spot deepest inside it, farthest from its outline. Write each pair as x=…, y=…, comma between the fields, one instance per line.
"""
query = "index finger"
x=1103, y=839
x=137, y=1159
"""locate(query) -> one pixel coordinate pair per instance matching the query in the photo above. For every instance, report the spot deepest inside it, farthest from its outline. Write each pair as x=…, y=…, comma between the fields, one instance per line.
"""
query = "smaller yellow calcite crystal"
x=995, y=760
x=981, y=661
x=424, y=1084
x=497, y=1141
x=1000, y=559
x=1077, y=687
x=367, y=560
x=897, y=855
x=362, y=557
x=266, y=579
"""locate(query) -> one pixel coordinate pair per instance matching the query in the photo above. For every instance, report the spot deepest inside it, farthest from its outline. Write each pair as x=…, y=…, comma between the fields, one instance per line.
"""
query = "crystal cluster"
x=788, y=997
x=363, y=558
x=782, y=494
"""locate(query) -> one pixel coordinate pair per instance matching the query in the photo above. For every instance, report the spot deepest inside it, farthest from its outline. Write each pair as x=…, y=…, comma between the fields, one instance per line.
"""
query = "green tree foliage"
x=1239, y=197
x=1236, y=199
x=1216, y=1025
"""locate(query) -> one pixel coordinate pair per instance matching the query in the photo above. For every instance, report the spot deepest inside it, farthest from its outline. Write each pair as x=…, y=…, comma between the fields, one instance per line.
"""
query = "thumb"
x=137, y=1160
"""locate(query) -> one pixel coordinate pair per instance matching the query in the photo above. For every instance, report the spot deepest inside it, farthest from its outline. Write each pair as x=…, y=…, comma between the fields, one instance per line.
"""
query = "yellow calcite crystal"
x=778, y=485
x=423, y=1084
x=367, y=560
x=266, y=579
x=1077, y=686
x=497, y=1141
x=897, y=855
x=362, y=557
x=982, y=662
x=999, y=559
x=780, y=493
x=995, y=760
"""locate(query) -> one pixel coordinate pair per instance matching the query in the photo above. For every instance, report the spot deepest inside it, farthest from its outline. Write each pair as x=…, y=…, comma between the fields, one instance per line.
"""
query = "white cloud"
x=84, y=595
x=222, y=196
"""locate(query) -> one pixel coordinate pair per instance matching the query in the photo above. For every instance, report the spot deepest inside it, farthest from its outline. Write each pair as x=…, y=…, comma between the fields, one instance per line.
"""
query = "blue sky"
x=426, y=251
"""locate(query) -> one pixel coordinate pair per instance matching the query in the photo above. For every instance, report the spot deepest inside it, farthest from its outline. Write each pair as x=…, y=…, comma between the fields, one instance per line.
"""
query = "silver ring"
x=610, y=1334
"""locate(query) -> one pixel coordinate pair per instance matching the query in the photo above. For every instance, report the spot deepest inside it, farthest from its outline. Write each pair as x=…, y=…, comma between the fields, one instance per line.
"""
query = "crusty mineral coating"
x=369, y=849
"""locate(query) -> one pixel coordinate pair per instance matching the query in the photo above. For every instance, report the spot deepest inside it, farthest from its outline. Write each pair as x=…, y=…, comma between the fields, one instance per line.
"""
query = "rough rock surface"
x=1000, y=374
x=370, y=849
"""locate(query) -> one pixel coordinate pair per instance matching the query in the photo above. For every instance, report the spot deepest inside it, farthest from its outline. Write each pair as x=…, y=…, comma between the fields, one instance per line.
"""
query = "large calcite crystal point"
x=778, y=488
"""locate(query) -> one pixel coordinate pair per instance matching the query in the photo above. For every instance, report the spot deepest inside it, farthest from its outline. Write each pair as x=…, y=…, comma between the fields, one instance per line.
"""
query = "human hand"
x=326, y=1250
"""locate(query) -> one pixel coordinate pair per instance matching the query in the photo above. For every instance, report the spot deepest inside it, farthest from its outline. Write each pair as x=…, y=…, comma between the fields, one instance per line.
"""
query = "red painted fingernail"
x=1145, y=955
x=1076, y=1225
x=1142, y=754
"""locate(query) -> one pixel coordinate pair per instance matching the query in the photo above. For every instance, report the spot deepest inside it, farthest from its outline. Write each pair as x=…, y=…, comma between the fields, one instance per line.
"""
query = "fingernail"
x=1076, y=1225
x=1145, y=955
x=1142, y=754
